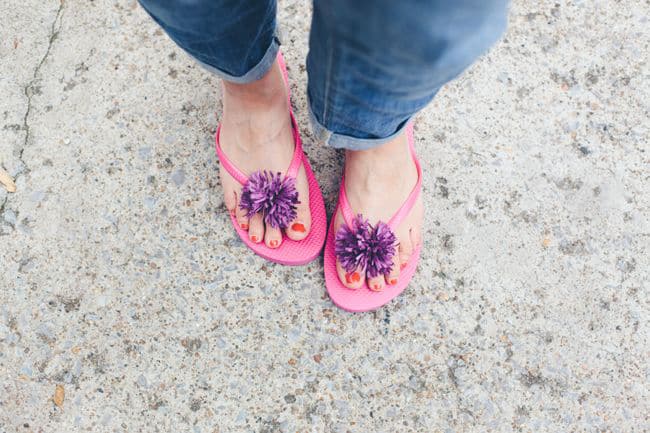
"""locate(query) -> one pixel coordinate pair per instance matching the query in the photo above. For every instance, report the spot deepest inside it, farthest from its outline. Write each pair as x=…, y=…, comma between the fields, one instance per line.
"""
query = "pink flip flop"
x=363, y=298
x=290, y=252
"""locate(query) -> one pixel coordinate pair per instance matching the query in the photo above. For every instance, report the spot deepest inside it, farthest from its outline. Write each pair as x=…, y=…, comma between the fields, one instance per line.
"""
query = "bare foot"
x=256, y=134
x=377, y=182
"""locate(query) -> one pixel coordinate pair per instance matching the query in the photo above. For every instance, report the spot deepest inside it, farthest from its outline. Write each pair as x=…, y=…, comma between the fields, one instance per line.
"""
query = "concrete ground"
x=128, y=303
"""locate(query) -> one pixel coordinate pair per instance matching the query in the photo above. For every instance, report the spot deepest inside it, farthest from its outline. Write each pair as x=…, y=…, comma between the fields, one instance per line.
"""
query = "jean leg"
x=232, y=38
x=373, y=65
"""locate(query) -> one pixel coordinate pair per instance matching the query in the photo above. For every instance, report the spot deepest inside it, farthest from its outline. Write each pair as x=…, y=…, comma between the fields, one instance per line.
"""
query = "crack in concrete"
x=28, y=90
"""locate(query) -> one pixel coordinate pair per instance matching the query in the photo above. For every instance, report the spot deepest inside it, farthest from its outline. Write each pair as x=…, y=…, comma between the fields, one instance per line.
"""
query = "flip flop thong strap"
x=403, y=211
x=408, y=204
x=296, y=160
x=226, y=163
x=344, y=205
x=285, y=75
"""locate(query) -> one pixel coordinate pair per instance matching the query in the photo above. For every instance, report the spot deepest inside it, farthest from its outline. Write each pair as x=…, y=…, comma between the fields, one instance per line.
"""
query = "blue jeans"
x=371, y=65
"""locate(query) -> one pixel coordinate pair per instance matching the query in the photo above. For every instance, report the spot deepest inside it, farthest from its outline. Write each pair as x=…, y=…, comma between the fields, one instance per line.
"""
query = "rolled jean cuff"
x=254, y=74
x=340, y=141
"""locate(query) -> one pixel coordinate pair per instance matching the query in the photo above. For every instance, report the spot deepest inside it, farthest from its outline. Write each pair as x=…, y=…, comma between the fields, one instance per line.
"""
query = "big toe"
x=299, y=228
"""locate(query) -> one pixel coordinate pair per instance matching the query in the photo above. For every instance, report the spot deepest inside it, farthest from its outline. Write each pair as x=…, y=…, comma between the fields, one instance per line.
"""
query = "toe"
x=272, y=236
x=230, y=200
x=405, y=251
x=393, y=276
x=300, y=227
x=377, y=283
x=241, y=217
x=351, y=280
x=229, y=194
x=256, y=228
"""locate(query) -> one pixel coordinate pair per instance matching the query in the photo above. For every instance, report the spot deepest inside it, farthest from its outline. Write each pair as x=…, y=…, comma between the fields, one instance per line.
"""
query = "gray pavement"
x=123, y=286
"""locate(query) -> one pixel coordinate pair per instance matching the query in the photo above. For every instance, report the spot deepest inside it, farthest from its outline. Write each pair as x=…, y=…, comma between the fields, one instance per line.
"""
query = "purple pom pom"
x=351, y=243
x=274, y=195
x=381, y=250
x=364, y=246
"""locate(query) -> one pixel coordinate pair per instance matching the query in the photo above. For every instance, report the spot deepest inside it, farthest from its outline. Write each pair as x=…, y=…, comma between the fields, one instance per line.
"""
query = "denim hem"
x=340, y=141
x=254, y=74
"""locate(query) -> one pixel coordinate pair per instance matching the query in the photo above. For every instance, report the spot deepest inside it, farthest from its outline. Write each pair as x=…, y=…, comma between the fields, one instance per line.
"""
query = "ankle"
x=258, y=112
x=389, y=162
x=266, y=92
x=252, y=96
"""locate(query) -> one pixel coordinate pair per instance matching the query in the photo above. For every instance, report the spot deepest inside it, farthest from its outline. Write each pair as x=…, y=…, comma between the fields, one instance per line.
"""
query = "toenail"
x=273, y=243
x=254, y=238
x=353, y=277
x=376, y=287
x=393, y=281
x=402, y=266
x=244, y=226
x=298, y=227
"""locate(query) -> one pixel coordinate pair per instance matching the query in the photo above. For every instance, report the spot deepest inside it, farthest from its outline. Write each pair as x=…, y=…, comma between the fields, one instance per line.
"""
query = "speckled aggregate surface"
x=122, y=282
